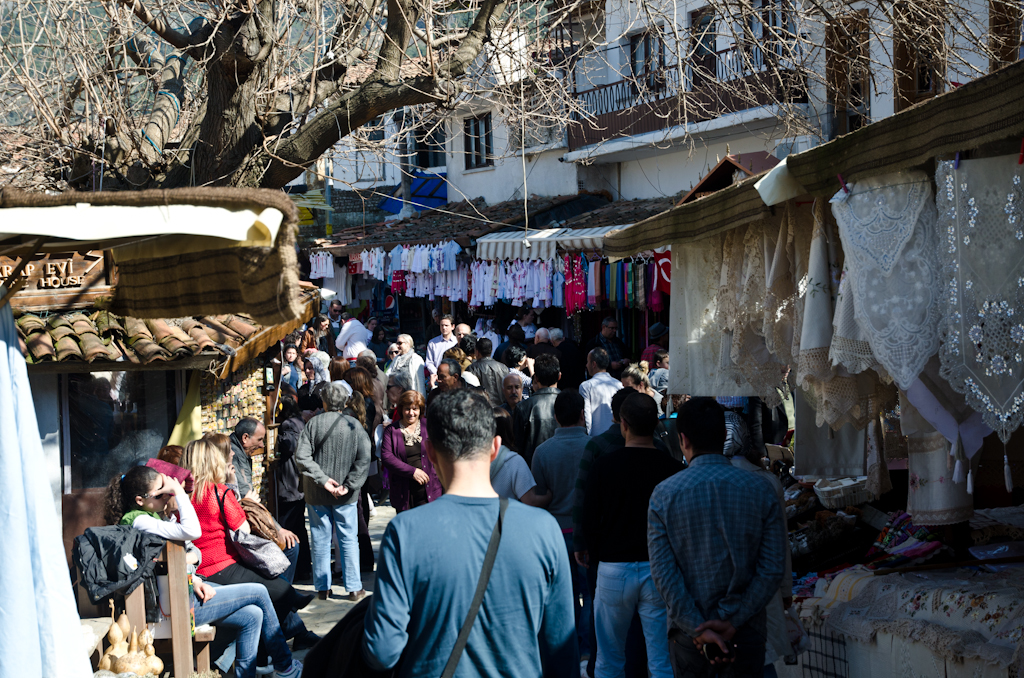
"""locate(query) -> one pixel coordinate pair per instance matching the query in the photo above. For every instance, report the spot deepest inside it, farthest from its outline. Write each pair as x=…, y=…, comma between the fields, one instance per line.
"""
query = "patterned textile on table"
x=902, y=543
x=887, y=227
x=998, y=524
x=959, y=615
x=934, y=498
x=981, y=222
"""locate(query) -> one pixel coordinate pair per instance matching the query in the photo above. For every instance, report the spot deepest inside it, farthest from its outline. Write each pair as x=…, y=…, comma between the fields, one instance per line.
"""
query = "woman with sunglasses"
x=139, y=498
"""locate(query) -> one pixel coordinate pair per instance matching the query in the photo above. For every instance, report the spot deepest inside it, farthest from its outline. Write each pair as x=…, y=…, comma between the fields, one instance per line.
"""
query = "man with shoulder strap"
x=431, y=569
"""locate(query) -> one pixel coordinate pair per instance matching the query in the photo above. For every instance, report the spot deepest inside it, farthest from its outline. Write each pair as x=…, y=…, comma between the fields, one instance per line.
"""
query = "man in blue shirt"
x=717, y=549
x=431, y=558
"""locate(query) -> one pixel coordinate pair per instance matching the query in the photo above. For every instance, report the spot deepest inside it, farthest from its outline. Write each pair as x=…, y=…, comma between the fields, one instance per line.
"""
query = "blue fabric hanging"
x=40, y=631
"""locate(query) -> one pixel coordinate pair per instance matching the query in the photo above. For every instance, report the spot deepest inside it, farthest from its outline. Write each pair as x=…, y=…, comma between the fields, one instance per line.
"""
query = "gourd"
x=118, y=645
x=154, y=664
x=133, y=661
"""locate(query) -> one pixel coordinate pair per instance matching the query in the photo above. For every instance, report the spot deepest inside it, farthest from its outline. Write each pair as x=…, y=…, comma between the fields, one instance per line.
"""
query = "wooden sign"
x=59, y=281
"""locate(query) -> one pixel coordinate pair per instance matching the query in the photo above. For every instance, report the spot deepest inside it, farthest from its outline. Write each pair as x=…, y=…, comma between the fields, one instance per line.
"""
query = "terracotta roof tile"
x=461, y=221
x=103, y=337
x=622, y=213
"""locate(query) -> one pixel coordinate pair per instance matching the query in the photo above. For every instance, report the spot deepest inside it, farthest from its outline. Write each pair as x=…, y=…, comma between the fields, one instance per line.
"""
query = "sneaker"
x=264, y=670
x=294, y=671
x=304, y=641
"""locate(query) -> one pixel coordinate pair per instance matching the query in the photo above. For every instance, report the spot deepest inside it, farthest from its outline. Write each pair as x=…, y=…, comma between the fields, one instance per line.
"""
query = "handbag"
x=258, y=554
x=339, y=654
x=260, y=521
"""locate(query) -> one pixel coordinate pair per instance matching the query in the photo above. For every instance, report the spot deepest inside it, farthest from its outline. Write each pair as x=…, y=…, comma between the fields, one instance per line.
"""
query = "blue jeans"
x=293, y=559
x=622, y=589
x=246, y=610
x=344, y=519
x=580, y=590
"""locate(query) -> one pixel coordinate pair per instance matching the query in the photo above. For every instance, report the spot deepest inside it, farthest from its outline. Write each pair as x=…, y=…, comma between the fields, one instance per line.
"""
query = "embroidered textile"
x=888, y=231
x=981, y=222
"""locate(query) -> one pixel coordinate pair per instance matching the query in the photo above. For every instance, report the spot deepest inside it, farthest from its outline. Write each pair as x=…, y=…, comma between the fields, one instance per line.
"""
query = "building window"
x=115, y=420
x=847, y=69
x=429, y=148
x=646, y=57
x=369, y=156
x=703, y=54
x=479, y=142
x=1004, y=27
x=920, y=69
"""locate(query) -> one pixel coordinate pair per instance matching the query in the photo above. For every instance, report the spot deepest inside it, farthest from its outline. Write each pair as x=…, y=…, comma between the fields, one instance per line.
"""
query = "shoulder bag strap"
x=478, y=598
x=337, y=420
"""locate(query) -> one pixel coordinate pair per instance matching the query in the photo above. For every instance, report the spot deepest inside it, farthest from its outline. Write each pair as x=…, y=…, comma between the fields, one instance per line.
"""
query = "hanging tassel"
x=970, y=482
x=961, y=460
x=1007, y=476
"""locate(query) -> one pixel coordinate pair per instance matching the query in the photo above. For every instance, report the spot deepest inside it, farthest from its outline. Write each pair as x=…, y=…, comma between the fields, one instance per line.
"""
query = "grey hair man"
x=542, y=345
x=246, y=441
x=525, y=625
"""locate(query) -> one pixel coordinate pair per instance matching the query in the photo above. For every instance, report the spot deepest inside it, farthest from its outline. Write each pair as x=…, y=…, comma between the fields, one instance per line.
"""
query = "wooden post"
x=135, y=608
x=181, y=626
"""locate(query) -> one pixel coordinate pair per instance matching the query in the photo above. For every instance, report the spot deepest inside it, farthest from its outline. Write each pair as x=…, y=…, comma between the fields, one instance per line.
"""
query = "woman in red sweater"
x=221, y=564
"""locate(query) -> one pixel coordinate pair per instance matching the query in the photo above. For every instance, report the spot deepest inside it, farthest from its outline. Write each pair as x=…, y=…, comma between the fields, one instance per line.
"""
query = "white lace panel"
x=981, y=221
x=887, y=226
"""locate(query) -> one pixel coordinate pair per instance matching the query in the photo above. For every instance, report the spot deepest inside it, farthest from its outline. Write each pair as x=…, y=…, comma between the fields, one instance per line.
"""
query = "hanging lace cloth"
x=889, y=236
x=981, y=222
x=837, y=396
x=850, y=348
x=740, y=308
x=695, y=337
x=933, y=498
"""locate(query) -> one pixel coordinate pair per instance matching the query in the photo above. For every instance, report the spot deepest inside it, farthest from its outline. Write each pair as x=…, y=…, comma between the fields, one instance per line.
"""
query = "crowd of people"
x=613, y=561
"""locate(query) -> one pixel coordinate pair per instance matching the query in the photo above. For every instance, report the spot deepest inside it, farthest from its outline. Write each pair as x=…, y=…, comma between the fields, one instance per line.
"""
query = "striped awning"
x=543, y=244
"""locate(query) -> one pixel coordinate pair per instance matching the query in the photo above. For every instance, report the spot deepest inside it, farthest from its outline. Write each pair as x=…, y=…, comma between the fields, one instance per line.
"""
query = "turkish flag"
x=663, y=268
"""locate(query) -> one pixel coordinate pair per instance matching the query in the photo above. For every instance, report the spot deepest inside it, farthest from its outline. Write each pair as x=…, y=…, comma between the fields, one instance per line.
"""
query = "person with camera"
x=717, y=546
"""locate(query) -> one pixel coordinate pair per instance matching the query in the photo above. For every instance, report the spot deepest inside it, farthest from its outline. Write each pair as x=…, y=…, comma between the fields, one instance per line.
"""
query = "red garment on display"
x=663, y=266
x=398, y=282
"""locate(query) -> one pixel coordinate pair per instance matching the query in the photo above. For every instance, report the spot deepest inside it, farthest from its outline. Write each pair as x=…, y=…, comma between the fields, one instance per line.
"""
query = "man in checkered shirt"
x=717, y=550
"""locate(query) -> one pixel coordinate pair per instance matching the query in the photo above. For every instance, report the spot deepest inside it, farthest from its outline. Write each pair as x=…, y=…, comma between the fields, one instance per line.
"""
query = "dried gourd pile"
x=125, y=657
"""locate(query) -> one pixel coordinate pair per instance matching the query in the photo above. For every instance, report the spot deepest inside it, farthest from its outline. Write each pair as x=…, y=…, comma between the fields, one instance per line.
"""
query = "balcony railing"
x=734, y=79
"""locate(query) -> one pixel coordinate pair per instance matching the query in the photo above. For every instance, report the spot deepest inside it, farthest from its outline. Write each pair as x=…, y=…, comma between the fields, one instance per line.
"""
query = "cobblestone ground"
x=320, y=616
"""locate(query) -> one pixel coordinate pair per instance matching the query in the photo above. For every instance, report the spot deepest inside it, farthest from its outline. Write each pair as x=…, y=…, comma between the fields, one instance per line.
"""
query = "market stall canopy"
x=179, y=252
x=520, y=244
x=713, y=214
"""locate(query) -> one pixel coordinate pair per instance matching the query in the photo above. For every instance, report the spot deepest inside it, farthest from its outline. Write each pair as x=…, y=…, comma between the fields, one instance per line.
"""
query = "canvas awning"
x=544, y=244
x=507, y=245
x=182, y=252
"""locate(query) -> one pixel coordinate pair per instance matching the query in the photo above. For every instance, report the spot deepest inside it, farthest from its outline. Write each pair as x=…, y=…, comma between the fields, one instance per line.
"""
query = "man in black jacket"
x=489, y=371
x=534, y=419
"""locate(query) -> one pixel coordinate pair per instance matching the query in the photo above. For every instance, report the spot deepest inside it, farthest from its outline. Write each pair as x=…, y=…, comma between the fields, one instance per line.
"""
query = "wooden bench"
x=188, y=654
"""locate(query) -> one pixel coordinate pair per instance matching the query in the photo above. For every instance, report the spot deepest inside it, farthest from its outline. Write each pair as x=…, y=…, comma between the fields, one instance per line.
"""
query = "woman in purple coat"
x=404, y=453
